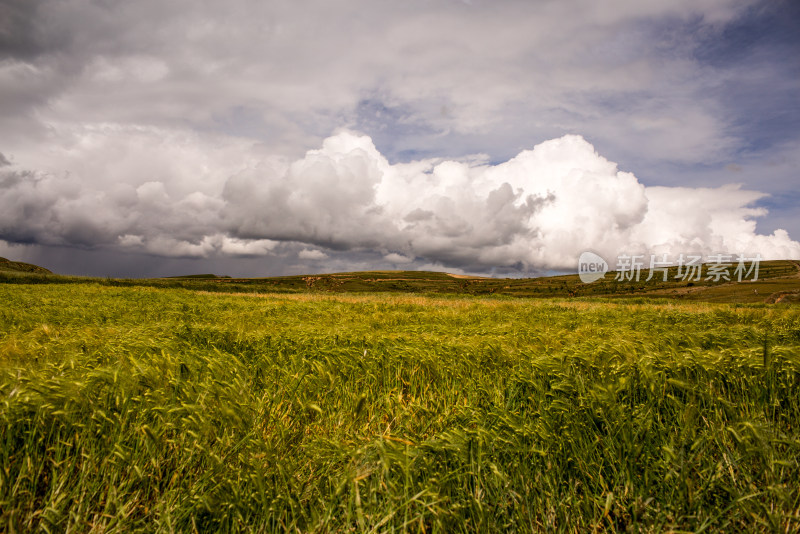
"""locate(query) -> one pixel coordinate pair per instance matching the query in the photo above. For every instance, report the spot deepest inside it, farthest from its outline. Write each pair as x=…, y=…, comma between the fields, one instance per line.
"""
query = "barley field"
x=140, y=409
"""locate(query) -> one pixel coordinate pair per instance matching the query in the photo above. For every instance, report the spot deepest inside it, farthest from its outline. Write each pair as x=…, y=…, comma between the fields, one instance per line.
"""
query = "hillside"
x=21, y=267
x=777, y=281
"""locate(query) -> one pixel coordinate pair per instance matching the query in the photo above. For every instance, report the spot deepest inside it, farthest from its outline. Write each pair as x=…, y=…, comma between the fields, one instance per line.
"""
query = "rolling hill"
x=777, y=281
x=21, y=267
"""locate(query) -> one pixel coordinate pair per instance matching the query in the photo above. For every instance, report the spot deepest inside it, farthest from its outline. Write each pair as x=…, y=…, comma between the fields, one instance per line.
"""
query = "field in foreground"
x=144, y=409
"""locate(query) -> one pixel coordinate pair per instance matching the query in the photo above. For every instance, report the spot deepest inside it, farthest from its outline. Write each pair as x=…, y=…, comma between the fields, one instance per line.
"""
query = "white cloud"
x=539, y=210
x=397, y=259
x=308, y=254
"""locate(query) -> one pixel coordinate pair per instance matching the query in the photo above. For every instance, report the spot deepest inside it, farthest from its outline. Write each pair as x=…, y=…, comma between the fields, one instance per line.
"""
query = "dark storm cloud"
x=21, y=34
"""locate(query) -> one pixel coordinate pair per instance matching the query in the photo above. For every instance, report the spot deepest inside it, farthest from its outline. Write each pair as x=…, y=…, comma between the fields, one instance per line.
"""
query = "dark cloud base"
x=116, y=264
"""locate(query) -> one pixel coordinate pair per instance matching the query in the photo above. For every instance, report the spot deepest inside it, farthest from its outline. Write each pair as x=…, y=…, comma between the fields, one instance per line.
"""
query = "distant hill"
x=777, y=282
x=21, y=267
x=198, y=276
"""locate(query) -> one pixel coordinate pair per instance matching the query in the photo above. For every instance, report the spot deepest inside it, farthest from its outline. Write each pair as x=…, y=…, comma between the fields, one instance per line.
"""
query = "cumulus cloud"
x=397, y=259
x=308, y=254
x=538, y=210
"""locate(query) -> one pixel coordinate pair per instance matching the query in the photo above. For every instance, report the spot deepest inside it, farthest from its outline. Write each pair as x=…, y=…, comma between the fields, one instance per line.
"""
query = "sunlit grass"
x=141, y=409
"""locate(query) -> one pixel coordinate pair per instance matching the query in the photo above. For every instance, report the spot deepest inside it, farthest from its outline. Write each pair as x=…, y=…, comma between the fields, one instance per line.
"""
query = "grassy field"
x=127, y=409
x=776, y=280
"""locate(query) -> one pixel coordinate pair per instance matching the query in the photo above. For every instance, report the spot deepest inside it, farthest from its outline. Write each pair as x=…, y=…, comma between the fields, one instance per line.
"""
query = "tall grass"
x=140, y=409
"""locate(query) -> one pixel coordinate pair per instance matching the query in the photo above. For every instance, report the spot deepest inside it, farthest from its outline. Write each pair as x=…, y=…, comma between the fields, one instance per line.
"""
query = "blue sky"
x=258, y=138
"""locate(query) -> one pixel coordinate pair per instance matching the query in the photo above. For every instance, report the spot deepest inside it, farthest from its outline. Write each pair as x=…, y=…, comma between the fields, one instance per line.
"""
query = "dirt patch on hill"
x=784, y=296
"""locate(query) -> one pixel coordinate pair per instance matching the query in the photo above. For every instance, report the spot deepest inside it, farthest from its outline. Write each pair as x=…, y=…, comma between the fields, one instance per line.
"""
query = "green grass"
x=126, y=409
x=775, y=279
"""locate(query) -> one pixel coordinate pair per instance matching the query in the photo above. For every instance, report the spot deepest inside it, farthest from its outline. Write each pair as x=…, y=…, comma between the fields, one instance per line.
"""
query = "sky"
x=504, y=138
